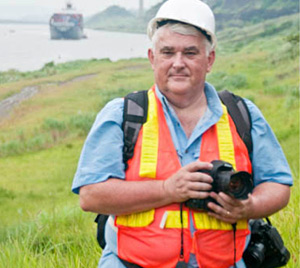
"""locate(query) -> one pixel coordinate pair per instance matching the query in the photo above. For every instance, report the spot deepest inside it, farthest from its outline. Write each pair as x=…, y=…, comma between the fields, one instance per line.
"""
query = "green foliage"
x=4, y=193
x=38, y=244
x=229, y=13
x=115, y=11
x=48, y=70
x=50, y=133
x=53, y=124
x=19, y=146
x=82, y=122
x=10, y=76
x=293, y=40
x=113, y=18
x=221, y=81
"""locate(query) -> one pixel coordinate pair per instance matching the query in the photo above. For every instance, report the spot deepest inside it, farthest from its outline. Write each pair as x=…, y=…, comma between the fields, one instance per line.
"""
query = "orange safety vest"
x=152, y=239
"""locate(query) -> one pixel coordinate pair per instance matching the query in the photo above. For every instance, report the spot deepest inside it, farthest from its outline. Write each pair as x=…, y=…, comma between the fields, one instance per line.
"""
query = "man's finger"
x=198, y=165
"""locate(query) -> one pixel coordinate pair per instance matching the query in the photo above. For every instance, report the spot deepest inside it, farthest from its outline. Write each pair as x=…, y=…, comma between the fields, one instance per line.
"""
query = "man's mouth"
x=179, y=75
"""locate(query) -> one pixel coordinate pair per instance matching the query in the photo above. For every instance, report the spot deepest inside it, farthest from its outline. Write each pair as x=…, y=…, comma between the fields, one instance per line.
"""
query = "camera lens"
x=240, y=185
x=235, y=185
x=254, y=255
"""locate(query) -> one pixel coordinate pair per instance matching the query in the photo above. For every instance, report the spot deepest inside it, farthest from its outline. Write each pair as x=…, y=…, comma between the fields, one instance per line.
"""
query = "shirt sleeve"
x=102, y=153
x=269, y=163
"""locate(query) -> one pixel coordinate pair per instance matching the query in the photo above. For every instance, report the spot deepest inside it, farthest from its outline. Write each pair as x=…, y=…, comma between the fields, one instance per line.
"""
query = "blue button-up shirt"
x=102, y=158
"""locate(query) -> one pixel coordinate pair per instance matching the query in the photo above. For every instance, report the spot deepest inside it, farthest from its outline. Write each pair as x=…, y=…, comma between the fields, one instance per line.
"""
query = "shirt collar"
x=213, y=100
x=211, y=116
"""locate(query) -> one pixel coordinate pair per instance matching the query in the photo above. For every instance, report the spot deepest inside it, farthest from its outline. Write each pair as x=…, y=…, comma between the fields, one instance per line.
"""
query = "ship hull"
x=72, y=33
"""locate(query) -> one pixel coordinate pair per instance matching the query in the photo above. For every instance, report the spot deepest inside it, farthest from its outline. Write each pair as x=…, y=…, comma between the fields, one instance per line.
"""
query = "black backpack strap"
x=134, y=116
x=240, y=115
x=101, y=221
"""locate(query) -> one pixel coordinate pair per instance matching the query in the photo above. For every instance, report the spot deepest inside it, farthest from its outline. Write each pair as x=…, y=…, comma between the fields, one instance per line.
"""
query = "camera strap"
x=234, y=244
x=181, y=263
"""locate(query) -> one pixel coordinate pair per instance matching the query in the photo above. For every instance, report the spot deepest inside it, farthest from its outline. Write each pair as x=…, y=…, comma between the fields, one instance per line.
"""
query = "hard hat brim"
x=153, y=26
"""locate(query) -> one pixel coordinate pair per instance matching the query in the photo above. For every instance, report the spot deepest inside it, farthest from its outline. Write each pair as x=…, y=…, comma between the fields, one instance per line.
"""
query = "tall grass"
x=51, y=132
x=52, y=239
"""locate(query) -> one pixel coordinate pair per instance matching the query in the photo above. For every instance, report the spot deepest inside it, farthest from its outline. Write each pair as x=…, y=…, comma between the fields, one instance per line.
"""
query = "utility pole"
x=141, y=8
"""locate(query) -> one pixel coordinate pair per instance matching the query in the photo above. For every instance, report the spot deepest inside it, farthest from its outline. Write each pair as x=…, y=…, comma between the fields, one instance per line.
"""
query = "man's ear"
x=211, y=60
x=151, y=57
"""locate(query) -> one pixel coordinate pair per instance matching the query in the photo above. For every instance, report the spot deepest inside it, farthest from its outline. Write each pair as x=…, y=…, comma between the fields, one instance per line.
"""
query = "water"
x=28, y=47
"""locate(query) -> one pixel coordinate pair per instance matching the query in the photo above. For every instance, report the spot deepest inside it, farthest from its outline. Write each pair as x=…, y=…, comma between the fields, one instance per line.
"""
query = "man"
x=149, y=226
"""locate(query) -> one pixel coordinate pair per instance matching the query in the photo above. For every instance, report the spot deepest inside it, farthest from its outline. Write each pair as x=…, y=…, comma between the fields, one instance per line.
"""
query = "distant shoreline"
x=22, y=22
x=17, y=22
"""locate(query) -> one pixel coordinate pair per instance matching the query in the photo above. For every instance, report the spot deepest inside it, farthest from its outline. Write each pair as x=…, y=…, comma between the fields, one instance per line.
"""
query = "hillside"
x=41, y=137
x=113, y=18
x=229, y=13
x=238, y=13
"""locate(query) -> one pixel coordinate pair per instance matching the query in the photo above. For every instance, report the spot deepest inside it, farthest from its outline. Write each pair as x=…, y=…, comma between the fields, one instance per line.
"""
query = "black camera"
x=226, y=180
x=266, y=248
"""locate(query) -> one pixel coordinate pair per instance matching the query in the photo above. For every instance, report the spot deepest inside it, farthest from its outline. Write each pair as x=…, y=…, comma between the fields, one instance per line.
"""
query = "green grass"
x=54, y=239
x=41, y=224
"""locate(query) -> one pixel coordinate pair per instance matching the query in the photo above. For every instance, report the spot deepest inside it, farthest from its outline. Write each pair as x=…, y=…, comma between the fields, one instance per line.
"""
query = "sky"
x=17, y=8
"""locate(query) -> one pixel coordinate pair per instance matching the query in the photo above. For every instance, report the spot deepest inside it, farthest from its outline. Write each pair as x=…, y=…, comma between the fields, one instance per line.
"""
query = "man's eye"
x=190, y=53
x=167, y=52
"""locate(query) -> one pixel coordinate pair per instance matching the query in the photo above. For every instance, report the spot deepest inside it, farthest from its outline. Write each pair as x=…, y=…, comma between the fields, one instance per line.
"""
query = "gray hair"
x=185, y=29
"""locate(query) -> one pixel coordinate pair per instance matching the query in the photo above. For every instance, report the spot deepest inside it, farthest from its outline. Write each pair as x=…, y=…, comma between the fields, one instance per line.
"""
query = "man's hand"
x=267, y=198
x=187, y=183
x=229, y=209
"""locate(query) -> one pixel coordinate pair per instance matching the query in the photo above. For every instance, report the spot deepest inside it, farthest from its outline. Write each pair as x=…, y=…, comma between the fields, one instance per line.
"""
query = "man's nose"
x=178, y=61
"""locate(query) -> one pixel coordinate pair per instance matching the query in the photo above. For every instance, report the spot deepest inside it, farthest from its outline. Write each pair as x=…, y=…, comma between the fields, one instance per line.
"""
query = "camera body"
x=226, y=180
x=266, y=248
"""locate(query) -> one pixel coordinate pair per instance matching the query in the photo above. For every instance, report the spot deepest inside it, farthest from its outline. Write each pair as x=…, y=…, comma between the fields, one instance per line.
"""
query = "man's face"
x=180, y=63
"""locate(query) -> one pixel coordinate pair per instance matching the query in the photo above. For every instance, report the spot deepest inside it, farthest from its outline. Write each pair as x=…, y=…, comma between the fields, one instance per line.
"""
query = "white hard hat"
x=193, y=12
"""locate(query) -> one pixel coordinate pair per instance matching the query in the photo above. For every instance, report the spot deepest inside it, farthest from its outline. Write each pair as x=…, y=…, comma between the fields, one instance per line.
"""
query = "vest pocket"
x=217, y=248
x=140, y=219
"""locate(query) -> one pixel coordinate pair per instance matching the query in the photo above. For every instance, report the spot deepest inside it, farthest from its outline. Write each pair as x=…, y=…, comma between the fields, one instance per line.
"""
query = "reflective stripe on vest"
x=140, y=219
x=205, y=222
x=225, y=142
x=150, y=140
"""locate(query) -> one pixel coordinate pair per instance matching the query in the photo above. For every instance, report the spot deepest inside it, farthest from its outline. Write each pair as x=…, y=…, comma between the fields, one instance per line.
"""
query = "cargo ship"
x=66, y=24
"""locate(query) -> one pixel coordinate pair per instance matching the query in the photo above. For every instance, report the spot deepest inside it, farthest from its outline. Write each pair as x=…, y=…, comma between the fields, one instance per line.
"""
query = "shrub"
x=82, y=122
x=222, y=80
x=53, y=124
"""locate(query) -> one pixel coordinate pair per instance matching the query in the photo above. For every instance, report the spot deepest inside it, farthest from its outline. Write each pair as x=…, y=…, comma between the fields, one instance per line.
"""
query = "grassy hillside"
x=41, y=224
x=114, y=18
x=237, y=13
x=228, y=13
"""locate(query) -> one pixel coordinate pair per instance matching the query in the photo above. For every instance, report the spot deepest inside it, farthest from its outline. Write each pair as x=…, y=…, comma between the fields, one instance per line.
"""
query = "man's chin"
x=179, y=86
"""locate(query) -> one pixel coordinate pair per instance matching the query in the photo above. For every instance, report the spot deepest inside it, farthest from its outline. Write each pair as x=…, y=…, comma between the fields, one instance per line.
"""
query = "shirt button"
x=186, y=151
